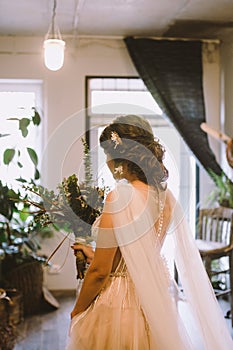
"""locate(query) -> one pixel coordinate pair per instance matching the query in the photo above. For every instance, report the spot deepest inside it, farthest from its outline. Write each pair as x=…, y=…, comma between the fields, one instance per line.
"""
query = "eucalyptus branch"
x=42, y=196
x=27, y=201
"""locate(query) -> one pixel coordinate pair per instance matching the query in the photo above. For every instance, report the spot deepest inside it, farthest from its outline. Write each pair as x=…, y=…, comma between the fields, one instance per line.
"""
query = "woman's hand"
x=86, y=249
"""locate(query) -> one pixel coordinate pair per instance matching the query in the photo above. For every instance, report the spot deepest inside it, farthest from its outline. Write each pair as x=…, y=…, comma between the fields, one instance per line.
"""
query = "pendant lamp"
x=54, y=46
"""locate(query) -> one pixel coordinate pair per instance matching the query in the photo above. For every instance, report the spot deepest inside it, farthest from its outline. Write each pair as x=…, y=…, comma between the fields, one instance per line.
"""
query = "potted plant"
x=223, y=191
x=19, y=232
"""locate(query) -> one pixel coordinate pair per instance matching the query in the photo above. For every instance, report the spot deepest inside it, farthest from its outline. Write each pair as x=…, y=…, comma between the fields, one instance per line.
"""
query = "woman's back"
x=147, y=197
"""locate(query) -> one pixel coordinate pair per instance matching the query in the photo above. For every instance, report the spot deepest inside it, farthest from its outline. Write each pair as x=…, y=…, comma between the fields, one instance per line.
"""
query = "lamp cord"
x=53, y=16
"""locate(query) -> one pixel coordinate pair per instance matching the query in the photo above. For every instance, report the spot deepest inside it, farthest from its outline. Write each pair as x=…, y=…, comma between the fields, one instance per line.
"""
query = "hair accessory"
x=116, y=139
x=119, y=170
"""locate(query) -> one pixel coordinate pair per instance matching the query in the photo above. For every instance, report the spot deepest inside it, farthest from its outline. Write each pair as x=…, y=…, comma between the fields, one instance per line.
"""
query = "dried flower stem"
x=58, y=246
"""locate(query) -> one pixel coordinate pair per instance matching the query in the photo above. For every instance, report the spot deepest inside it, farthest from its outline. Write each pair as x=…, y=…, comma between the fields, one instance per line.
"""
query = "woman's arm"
x=96, y=277
x=98, y=273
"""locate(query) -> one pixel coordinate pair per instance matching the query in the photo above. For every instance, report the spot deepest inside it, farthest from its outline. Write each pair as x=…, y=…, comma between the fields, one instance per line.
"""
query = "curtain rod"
x=217, y=41
x=121, y=37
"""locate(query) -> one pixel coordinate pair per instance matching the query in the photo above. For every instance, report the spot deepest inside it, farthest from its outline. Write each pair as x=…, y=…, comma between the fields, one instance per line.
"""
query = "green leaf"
x=33, y=156
x=12, y=194
x=23, y=124
x=20, y=179
x=13, y=119
x=8, y=155
x=24, y=215
x=37, y=174
x=36, y=118
x=20, y=165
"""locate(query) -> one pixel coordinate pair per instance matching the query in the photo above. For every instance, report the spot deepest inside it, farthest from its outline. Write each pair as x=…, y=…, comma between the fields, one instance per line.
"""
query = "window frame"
x=155, y=121
x=34, y=86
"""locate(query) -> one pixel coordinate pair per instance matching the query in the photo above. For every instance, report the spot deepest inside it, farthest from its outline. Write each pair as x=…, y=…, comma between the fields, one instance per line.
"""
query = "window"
x=108, y=97
x=17, y=100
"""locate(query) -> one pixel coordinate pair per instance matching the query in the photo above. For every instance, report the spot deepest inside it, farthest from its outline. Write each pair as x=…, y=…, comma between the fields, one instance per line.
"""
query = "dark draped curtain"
x=172, y=72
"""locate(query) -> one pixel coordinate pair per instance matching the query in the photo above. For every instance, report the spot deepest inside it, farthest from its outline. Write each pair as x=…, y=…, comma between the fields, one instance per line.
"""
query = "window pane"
x=17, y=105
x=136, y=84
x=116, y=102
x=122, y=84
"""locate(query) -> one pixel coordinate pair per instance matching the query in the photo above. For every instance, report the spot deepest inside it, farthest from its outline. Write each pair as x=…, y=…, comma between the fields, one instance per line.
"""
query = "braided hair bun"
x=129, y=140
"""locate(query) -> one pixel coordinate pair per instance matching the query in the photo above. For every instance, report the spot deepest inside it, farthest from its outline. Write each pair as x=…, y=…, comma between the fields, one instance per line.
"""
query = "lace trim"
x=161, y=207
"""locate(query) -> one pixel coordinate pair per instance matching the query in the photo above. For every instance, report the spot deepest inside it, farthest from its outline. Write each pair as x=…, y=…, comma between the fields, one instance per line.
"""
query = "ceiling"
x=173, y=18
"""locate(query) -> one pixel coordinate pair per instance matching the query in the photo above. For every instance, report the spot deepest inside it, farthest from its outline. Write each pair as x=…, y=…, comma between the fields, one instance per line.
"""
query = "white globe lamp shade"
x=54, y=53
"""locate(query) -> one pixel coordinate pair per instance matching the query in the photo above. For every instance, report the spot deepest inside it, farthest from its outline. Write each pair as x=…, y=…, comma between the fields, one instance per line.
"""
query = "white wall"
x=227, y=92
x=64, y=103
x=227, y=73
x=212, y=96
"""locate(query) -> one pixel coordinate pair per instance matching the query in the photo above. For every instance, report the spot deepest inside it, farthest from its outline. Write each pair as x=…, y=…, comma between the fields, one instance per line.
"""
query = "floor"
x=50, y=330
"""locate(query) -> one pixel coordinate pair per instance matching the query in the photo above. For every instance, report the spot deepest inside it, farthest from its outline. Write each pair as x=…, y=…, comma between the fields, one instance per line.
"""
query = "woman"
x=129, y=299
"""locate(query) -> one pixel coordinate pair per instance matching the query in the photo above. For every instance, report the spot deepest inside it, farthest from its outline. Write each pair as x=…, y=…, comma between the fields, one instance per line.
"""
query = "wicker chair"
x=215, y=241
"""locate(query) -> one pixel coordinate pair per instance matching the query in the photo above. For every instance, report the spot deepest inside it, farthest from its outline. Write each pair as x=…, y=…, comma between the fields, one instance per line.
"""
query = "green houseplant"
x=19, y=230
x=223, y=191
x=222, y=195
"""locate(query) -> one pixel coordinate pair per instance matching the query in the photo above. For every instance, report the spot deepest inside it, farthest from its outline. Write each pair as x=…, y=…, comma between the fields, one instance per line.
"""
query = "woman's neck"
x=138, y=183
x=135, y=181
x=132, y=178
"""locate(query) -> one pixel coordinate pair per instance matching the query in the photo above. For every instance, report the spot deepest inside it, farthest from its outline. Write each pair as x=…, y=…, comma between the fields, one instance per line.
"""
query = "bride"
x=129, y=300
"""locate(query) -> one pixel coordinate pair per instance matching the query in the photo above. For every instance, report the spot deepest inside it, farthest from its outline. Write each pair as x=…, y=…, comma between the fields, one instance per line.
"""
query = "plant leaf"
x=23, y=124
x=13, y=119
x=36, y=118
x=20, y=165
x=8, y=155
x=20, y=179
x=33, y=156
x=12, y=194
x=37, y=174
x=24, y=215
x=3, y=135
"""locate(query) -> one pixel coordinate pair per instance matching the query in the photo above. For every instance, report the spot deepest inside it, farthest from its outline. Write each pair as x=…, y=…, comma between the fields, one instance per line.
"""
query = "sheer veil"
x=197, y=287
x=134, y=232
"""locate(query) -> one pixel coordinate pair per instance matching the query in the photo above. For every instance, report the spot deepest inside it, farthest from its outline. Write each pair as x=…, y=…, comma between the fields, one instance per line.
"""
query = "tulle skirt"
x=114, y=321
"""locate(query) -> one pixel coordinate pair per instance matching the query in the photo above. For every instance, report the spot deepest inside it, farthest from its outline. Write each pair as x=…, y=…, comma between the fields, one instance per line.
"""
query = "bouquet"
x=73, y=208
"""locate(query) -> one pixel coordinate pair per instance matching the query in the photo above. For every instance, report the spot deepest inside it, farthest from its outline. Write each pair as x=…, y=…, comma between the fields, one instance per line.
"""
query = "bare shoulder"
x=118, y=193
x=110, y=196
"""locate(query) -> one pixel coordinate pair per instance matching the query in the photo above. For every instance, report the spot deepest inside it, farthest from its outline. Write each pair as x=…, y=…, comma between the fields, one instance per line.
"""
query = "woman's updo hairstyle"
x=129, y=140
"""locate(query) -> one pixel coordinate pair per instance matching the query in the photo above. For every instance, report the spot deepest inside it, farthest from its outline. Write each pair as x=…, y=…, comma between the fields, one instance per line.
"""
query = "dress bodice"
x=120, y=270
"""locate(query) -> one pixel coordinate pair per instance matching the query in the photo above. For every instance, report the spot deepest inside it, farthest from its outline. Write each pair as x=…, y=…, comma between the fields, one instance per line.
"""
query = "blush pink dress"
x=139, y=309
x=115, y=319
